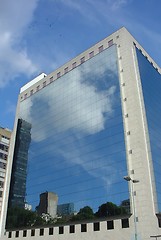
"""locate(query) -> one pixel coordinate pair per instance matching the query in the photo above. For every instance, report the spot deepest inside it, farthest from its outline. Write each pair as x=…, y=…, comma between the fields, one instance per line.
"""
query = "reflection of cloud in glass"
x=73, y=112
x=64, y=111
x=77, y=130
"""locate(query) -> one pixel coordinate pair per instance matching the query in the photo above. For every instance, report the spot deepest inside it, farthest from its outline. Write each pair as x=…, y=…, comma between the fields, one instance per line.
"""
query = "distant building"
x=65, y=209
x=126, y=204
x=5, y=135
x=48, y=204
x=19, y=168
x=28, y=206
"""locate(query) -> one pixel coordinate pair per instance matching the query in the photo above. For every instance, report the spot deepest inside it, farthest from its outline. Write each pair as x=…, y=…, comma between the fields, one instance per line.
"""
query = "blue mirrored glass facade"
x=151, y=87
x=77, y=147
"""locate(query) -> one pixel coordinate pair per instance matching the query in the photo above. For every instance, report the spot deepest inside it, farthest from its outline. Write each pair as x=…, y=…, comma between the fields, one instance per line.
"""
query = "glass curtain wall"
x=77, y=148
x=151, y=87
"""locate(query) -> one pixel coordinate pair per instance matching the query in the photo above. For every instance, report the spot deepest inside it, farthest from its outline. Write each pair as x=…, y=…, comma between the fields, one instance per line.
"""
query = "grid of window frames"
x=151, y=87
x=77, y=145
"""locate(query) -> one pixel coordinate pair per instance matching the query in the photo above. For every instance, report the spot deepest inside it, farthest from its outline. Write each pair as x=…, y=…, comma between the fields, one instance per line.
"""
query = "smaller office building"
x=5, y=135
x=48, y=204
x=65, y=209
x=19, y=168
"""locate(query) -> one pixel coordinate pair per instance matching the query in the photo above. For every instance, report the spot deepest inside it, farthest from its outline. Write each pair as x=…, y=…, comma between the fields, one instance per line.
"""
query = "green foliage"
x=64, y=219
x=110, y=209
x=84, y=214
x=19, y=217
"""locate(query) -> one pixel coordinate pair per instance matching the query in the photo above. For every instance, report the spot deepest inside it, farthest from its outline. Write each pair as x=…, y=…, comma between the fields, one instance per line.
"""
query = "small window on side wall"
x=91, y=54
x=58, y=75
x=38, y=88
x=110, y=43
x=31, y=92
x=41, y=231
x=32, y=232
x=17, y=234
x=9, y=234
x=84, y=227
x=24, y=233
x=125, y=223
x=96, y=226
x=61, y=230
x=82, y=60
x=66, y=70
x=72, y=229
x=100, y=49
x=51, y=79
x=74, y=65
x=110, y=225
x=51, y=231
x=44, y=84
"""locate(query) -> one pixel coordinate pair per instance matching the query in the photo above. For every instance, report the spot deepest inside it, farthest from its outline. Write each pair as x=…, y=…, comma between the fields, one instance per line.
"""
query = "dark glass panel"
x=151, y=86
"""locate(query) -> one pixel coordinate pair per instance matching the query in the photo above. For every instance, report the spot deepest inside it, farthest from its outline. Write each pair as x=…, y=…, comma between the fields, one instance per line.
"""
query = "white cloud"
x=79, y=118
x=15, y=16
x=78, y=111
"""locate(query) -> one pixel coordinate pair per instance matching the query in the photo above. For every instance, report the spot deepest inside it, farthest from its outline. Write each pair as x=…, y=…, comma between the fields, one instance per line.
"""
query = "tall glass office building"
x=91, y=125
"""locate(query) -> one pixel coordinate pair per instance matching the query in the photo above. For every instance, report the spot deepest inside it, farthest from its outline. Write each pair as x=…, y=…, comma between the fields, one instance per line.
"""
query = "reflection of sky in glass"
x=151, y=83
x=77, y=148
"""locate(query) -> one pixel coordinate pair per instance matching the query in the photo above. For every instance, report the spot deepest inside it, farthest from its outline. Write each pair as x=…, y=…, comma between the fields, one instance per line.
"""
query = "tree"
x=19, y=217
x=110, y=209
x=84, y=213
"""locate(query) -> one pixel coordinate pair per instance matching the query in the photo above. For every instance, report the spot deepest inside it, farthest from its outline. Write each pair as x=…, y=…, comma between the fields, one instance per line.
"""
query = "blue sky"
x=40, y=35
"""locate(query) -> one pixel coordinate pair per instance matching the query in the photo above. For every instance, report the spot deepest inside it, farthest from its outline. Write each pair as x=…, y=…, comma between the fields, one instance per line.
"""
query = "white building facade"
x=5, y=135
x=120, y=82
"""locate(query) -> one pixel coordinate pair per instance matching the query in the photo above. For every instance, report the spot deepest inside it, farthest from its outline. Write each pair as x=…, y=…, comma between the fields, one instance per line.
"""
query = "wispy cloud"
x=116, y=13
x=110, y=4
x=94, y=10
x=14, y=19
x=117, y=4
